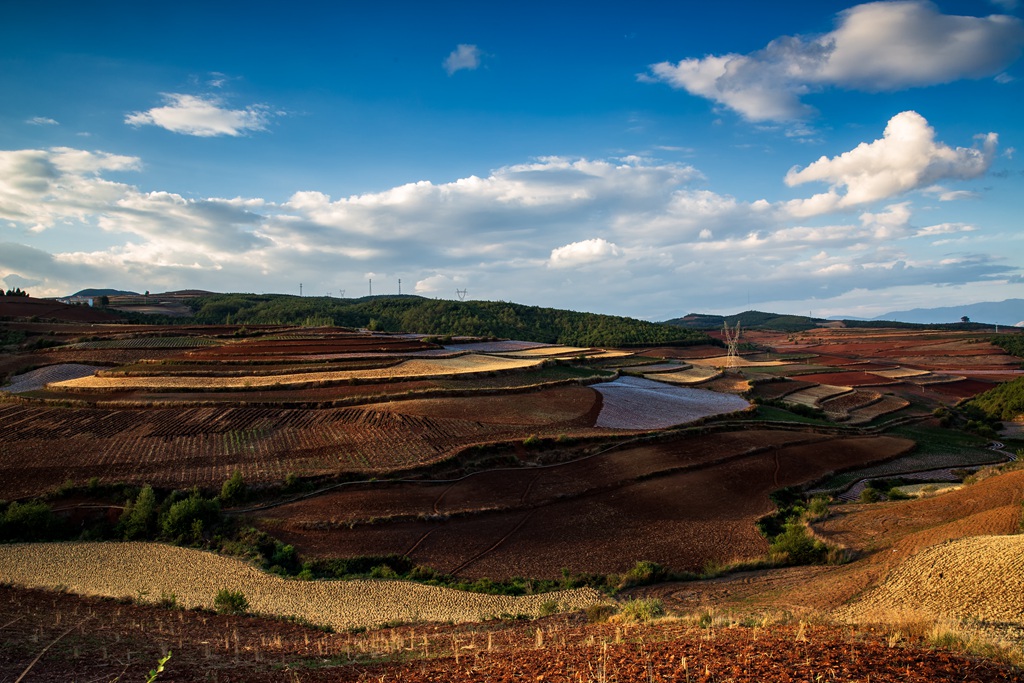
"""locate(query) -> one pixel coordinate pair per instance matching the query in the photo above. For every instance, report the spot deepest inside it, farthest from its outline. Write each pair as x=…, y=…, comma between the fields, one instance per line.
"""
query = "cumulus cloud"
x=878, y=46
x=629, y=235
x=584, y=252
x=463, y=58
x=202, y=116
x=42, y=121
x=905, y=158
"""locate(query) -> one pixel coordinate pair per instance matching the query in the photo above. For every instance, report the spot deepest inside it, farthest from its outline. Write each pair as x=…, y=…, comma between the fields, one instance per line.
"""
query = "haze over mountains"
x=1008, y=312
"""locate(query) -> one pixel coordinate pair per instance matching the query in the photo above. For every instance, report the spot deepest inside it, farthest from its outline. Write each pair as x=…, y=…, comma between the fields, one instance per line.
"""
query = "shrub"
x=870, y=495
x=31, y=521
x=597, y=614
x=642, y=609
x=180, y=523
x=230, y=602
x=139, y=518
x=795, y=546
x=233, y=490
x=547, y=608
x=642, y=574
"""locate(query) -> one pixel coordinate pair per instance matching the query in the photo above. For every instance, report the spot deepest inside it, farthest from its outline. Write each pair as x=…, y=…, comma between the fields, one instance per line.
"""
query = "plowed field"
x=682, y=504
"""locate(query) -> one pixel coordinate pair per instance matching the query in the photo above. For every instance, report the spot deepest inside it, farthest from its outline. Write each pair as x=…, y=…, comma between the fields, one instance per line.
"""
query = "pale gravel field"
x=410, y=369
x=152, y=570
x=636, y=403
x=34, y=380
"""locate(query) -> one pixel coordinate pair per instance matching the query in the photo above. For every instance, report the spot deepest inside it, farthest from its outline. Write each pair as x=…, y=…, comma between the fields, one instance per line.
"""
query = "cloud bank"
x=878, y=46
x=632, y=235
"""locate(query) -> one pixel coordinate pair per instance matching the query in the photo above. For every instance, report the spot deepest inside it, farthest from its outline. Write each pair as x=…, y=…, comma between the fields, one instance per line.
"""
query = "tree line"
x=443, y=318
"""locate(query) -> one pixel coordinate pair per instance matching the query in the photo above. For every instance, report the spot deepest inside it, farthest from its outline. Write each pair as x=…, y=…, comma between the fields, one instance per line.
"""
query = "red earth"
x=682, y=503
x=28, y=307
x=58, y=636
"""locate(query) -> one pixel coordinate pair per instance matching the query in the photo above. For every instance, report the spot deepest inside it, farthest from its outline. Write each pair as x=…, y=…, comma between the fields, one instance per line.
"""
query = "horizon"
x=648, y=163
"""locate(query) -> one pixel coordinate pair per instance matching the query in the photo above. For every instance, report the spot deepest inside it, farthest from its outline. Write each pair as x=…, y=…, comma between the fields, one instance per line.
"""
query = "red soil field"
x=105, y=640
x=681, y=504
x=28, y=307
x=880, y=535
x=263, y=348
x=774, y=390
x=573, y=406
x=962, y=389
x=682, y=352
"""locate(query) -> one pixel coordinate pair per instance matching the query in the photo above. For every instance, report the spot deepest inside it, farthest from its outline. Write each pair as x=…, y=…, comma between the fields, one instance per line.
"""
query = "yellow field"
x=738, y=361
x=898, y=373
x=813, y=396
x=549, y=351
x=410, y=369
x=694, y=375
x=148, y=571
x=976, y=578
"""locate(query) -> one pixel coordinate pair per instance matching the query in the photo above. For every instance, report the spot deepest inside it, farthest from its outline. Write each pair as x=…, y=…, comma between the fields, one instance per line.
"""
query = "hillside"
x=1008, y=312
x=449, y=318
x=747, y=320
x=23, y=307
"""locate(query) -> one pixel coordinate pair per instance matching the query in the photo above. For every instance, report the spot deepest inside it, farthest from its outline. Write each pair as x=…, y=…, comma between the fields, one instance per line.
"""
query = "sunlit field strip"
x=409, y=369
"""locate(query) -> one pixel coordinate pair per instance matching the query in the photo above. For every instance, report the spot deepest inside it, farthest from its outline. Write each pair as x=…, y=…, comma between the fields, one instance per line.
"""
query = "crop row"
x=147, y=343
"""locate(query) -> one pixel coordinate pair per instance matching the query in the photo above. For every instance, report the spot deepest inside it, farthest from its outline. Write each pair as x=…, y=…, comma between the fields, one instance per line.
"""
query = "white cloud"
x=584, y=252
x=526, y=232
x=463, y=58
x=202, y=116
x=877, y=46
x=42, y=121
x=906, y=158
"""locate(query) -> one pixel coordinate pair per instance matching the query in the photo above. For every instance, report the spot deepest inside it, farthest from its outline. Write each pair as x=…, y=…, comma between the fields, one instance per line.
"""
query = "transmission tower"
x=732, y=343
x=461, y=293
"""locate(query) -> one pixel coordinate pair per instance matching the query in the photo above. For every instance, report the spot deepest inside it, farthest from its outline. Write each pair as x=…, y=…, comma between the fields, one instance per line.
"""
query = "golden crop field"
x=973, y=578
x=150, y=571
x=694, y=375
x=813, y=396
x=898, y=373
x=409, y=369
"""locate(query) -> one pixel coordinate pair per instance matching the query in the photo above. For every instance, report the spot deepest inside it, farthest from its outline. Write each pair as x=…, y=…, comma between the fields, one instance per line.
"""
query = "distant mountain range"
x=1009, y=312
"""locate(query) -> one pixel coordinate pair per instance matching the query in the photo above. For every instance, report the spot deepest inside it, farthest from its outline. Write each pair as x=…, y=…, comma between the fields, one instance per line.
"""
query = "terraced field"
x=153, y=570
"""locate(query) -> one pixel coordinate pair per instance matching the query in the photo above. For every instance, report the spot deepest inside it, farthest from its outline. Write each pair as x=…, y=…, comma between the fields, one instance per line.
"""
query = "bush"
x=870, y=495
x=31, y=521
x=230, y=602
x=642, y=574
x=642, y=609
x=547, y=608
x=139, y=518
x=187, y=520
x=597, y=614
x=234, y=489
x=795, y=546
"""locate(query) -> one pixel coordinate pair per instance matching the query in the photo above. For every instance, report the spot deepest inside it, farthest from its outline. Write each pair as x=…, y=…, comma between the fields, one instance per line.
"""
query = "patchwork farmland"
x=478, y=462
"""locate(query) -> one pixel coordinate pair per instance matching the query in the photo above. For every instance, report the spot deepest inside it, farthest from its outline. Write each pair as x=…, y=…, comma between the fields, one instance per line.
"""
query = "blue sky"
x=647, y=159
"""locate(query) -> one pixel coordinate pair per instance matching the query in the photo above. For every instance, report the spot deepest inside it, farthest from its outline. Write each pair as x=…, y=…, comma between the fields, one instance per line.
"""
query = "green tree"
x=233, y=490
x=139, y=518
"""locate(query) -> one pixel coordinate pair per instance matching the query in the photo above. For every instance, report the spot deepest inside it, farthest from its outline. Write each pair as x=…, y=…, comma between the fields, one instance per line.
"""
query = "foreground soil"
x=85, y=639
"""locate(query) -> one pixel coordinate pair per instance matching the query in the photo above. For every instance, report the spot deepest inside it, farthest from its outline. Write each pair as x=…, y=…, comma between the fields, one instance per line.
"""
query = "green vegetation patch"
x=1004, y=402
x=438, y=317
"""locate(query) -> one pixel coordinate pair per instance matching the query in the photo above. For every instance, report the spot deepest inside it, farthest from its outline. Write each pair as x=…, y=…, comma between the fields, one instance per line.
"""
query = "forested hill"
x=748, y=320
x=440, y=317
